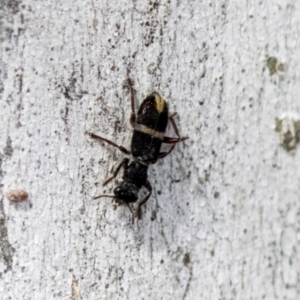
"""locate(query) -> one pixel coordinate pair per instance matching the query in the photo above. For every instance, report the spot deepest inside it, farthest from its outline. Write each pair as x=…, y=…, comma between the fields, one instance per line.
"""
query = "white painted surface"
x=228, y=198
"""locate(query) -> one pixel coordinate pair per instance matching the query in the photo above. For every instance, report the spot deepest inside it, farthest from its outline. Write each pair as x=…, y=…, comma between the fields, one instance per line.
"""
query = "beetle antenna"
x=102, y=196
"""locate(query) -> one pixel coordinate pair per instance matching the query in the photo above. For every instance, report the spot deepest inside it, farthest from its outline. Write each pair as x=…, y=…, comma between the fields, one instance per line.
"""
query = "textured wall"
x=223, y=221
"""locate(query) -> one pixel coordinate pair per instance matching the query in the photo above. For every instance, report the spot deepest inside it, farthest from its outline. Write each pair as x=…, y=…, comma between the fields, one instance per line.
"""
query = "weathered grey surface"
x=224, y=218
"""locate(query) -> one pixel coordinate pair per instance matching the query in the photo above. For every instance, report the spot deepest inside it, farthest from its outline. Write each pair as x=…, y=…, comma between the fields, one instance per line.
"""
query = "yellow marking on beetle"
x=159, y=102
x=152, y=132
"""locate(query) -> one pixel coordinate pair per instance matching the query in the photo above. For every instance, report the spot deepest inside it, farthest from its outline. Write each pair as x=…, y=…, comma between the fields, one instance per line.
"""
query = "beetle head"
x=126, y=192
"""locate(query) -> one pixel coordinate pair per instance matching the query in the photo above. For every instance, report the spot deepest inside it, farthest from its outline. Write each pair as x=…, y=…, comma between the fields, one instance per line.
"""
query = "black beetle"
x=149, y=126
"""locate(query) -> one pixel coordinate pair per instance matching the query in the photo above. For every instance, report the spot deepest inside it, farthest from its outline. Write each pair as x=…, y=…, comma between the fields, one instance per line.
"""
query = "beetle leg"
x=121, y=148
x=172, y=140
x=164, y=154
x=124, y=164
x=133, y=116
x=132, y=213
x=148, y=186
x=173, y=114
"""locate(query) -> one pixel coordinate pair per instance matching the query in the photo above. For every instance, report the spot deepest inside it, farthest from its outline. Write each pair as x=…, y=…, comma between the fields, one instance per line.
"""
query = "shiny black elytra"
x=149, y=126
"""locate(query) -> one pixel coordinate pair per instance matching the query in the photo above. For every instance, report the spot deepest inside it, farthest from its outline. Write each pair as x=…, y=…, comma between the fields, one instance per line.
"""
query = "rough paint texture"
x=224, y=218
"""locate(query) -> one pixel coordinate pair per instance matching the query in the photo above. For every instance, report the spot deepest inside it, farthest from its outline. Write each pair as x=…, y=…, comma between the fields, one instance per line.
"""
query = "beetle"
x=149, y=126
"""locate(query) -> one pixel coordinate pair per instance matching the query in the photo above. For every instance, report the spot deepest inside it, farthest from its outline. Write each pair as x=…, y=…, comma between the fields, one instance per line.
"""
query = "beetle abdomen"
x=149, y=130
x=153, y=113
x=146, y=147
